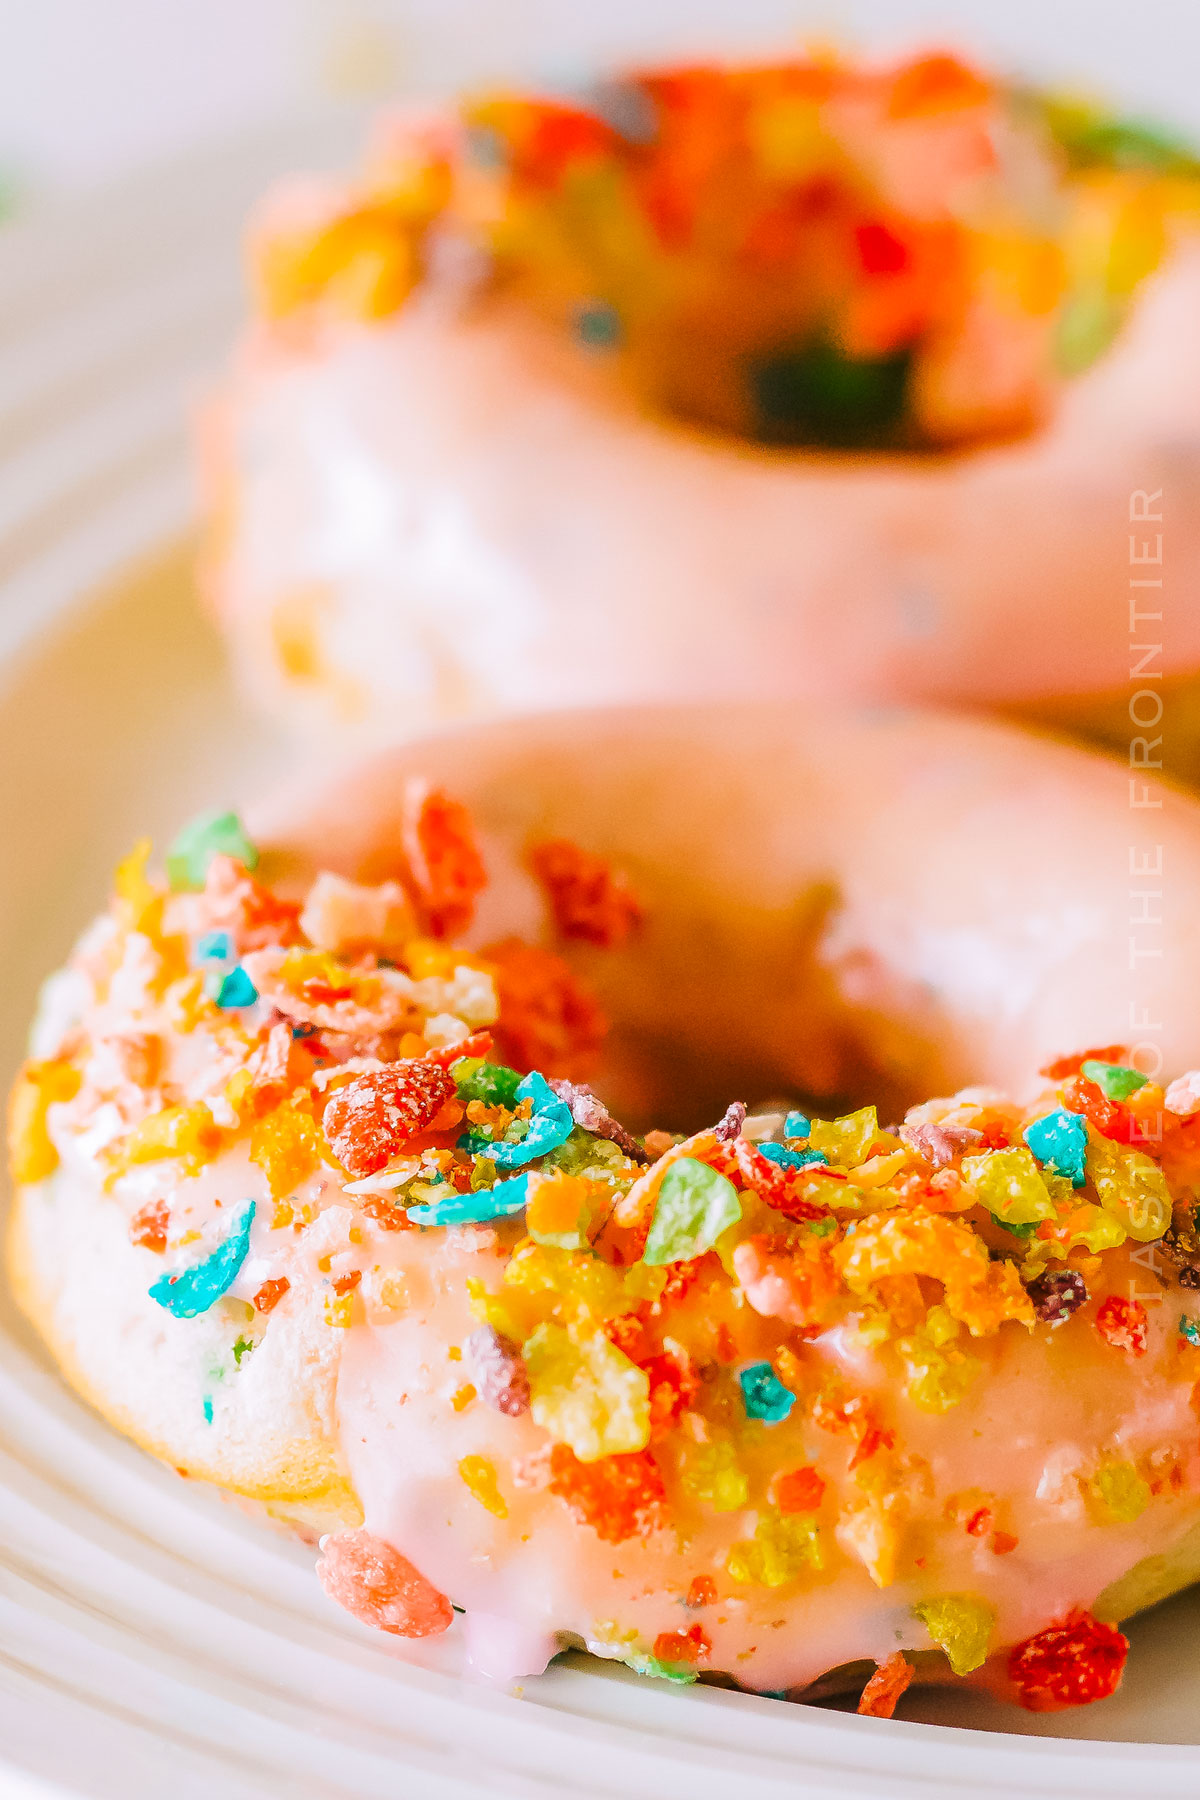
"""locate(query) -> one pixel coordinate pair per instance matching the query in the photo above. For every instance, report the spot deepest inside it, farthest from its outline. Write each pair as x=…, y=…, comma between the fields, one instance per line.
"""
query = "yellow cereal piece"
x=571, y=1284
x=938, y=1377
x=390, y=1290
x=960, y=1625
x=462, y=1397
x=587, y=1393
x=784, y=1547
x=1120, y=1491
x=562, y=1209
x=286, y=1146
x=980, y=1293
x=787, y=139
x=139, y=903
x=1009, y=1183
x=188, y=1132
x=1094, y=1228
x=1131, y=1186
x=424, y=957
x=712, y=1474
x=39, y=1086
x=847, y=1141
x=868, y=1533
x=480, y=1478
x=339, y=1311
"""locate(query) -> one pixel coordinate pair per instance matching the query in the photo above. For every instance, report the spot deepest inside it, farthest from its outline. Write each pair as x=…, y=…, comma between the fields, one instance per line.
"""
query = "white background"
x=89, y=88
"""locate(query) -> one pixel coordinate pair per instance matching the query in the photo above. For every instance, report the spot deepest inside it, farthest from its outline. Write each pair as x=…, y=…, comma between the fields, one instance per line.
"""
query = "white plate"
x=152, y=1640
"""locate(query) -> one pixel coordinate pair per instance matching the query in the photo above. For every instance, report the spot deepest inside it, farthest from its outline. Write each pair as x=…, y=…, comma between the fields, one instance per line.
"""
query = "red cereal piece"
x=373, y=1581
x=445, y=868
x=446, y=1055
x=883, y=1690
x=673, y=1387
x=702, y=1591
x=779, y=1187
x=346, y=1284
x=690, y=1646
x=620, y=1497
x=979, y=1523
x=1069, y=1664
x=1110, y=1118
x=501, y=1380
x=1123, y=1324
x=588, y=898
x=271, y=1293
x=548, y=1019
x=1003, y=1543
x=369, y=1119
x=149, y=1226
x=1071, y=1065
x=798, y=1490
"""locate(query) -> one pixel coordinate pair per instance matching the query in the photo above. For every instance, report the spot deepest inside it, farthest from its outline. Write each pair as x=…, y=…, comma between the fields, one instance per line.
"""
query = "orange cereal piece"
x=798, y=1490
x=148, y=1227
x=444, y=865
x=620, y=1497
x=285, y=1145
x=271, y=1293
x=690, y=1646
x=369, y=1119
x=702, y=1591
x=548, y=1019
x=883, y=1690
x=32, y=1155
x=373, y=1581
x=1003, y=1543
x=589, y=899
x=673, y=1387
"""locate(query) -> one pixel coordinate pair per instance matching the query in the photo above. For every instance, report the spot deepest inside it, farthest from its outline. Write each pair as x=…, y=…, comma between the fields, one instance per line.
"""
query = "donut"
x=826, y=378
x=333, y=1190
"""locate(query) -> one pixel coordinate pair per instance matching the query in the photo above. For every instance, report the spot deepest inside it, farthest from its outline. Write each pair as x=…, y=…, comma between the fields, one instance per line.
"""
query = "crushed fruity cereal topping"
x=373, y=1581
x=195, y=1289
x=149, y=1226
x=1123, y=1324
x=702, y=1591
x=444, y=864
x=808, y=251
x=592, y=1115
x=885, y=1687
x=548, y=1019
x=212, y=834
x=961, y=1626
x=1057, y=1294
x=798, y=1490
x=589, y=899
x=619, y=1497
x=1069, y=1664
x=500, y=1375
x=373, y=1116
x=690, y=1646
x=479, y=1477
x=270, y=1293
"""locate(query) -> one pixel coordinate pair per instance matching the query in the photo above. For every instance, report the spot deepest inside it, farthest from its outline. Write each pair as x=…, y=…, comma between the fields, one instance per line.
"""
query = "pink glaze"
x=455, y=513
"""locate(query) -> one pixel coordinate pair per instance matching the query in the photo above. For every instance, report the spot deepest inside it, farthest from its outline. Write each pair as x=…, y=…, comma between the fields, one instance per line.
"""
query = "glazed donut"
x=541, y=413
x=321, y=1208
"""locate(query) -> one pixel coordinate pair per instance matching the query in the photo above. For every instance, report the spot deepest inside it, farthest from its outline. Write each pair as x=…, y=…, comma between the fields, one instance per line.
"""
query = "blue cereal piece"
x=1059, y=1142
x=236, y=989
x=796, y=1125
x=764, y=1395
x=792, y=1159
x=550, y=1126
x=192, y=1291
x=474, y=1209
x=214, y=947
x=208, y=1409
x=212, y=834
